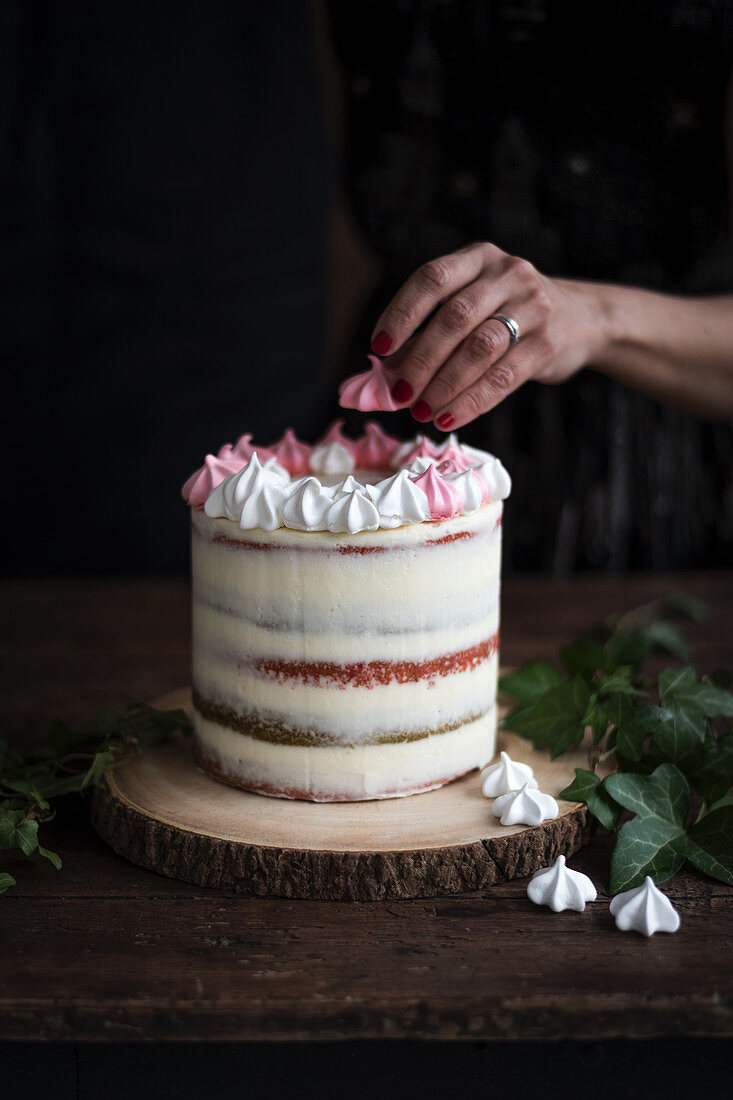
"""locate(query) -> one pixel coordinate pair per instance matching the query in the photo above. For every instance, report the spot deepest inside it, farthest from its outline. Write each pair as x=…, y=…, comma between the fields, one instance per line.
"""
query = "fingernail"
x=381, y=343
x=402, y=391
x=444, y=421
x=421, y=410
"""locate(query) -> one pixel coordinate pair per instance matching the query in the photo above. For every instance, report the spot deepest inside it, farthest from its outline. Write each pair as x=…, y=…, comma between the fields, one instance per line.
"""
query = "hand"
x=464, y=363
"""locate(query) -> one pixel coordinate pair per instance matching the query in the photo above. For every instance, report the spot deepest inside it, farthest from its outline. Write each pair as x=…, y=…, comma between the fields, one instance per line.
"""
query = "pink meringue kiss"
x=443, y=498
x=292, y=454
x=425, y=448
x=456, y=457
x=196, y=490
x=370, y=391
x=335, y=435
x=374, y=449
x=244, y=447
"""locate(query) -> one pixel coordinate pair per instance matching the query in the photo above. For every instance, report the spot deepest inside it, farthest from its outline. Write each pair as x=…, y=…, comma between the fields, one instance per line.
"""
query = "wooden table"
x=105, y=950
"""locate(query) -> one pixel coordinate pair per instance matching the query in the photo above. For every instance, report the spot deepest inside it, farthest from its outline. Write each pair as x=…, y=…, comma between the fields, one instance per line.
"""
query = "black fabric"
x=588, y=138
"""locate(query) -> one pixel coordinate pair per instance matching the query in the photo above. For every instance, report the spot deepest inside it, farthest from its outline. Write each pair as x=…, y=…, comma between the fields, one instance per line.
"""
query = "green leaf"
x=683, y=603
x=51, y=856
x=97, y=768
x=635, y=724
x=18, y=831
x=711, y=844
x=647, y=846
x=617, y=684
x=556, y=721
x=655, y=841
x=664, y=794
x=694, y=696
x=713, y=774
x=531, y=682
x=6, y=881
x=679, y=738
x=584, y=657
x=588, y=788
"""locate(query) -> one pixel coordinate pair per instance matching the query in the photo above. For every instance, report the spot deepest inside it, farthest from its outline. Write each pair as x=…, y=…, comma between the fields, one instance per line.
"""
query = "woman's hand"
x=465, y=362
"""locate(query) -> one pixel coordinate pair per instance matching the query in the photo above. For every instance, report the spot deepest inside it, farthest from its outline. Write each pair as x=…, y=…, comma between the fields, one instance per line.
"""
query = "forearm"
x=678, y=350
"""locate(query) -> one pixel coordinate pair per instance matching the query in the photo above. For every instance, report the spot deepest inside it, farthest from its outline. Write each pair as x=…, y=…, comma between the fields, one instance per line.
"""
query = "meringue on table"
x=645, y=909
x=507, y=775
x=561, y=888
x=526, y=806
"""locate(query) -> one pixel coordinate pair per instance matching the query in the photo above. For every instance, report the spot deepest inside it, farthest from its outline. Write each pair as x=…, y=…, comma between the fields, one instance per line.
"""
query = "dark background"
x=204, y=207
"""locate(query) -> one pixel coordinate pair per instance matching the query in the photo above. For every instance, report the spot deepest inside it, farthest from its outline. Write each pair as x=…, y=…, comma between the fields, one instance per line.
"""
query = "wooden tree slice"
x=162, y=812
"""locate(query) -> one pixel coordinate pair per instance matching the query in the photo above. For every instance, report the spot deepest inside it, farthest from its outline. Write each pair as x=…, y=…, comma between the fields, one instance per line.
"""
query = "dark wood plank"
x=104, y=949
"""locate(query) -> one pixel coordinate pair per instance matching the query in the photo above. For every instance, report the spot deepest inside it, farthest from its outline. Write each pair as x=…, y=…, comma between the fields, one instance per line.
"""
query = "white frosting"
x=507, y=775
x=645, y=910
x=561, y=888
x=332, y=458
x=399, y=501
x=352, y=512
x=525, y=807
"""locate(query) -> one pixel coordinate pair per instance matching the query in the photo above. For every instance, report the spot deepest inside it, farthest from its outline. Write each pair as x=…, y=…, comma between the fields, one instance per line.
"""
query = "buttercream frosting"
x=561, y=888
x=507, y=775
x=370, y=391
x=644, y=909
x=527, y=806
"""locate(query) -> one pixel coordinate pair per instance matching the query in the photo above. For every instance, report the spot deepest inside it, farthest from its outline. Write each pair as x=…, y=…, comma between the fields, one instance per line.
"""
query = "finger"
x=452, y=324
x=502, y=378
x=417, y=298
x=474, y=355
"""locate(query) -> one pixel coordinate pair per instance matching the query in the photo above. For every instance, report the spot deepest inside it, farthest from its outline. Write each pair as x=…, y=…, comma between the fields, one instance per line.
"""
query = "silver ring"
x=509, y=323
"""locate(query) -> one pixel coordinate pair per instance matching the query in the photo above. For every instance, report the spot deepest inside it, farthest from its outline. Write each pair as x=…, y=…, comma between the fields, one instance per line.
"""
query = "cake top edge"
x=345, y=485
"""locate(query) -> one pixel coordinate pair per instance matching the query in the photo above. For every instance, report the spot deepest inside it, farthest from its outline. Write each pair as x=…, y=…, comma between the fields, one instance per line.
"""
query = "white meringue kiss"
x=495, y=478
x=645, y=910
x=352, y=512
x=507, y=775
x=306, y=507
x=399, y=501
x=332, y=458
x=469, y=488
x=561, y=888
x=253, y=496
x=525, y=807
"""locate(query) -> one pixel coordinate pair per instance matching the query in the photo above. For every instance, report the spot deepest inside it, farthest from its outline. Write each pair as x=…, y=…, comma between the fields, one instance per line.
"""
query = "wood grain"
x=164, y=813
x=105, y=950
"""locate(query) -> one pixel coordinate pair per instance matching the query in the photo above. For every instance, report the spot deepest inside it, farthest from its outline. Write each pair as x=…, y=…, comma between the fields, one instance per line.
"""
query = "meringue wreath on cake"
x=345, y=613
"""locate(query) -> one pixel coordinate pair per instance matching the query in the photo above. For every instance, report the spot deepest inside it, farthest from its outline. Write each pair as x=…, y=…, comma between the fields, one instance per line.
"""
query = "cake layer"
x=358, y=714
x=326, y=774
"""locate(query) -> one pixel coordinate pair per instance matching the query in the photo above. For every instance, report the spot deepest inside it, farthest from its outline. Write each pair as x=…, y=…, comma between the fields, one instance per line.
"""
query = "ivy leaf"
x=680, y=737
x=531, y=682
x=617, y=684
x=6, y=881
x=687, y=605
x=712, y=775
x=18, y=831
x=711, y=844
x=655, y=841
x=51, y=856
x=556, y=721
x=584, y=657
x=635, y=724
x=97, y=768
x=588, y=788
x=695, y=697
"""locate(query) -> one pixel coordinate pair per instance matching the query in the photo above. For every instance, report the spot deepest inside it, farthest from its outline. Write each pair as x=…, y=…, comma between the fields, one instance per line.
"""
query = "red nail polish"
x=444, y=421
x=381, y=343
x=421, y=410
x=402, y=391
